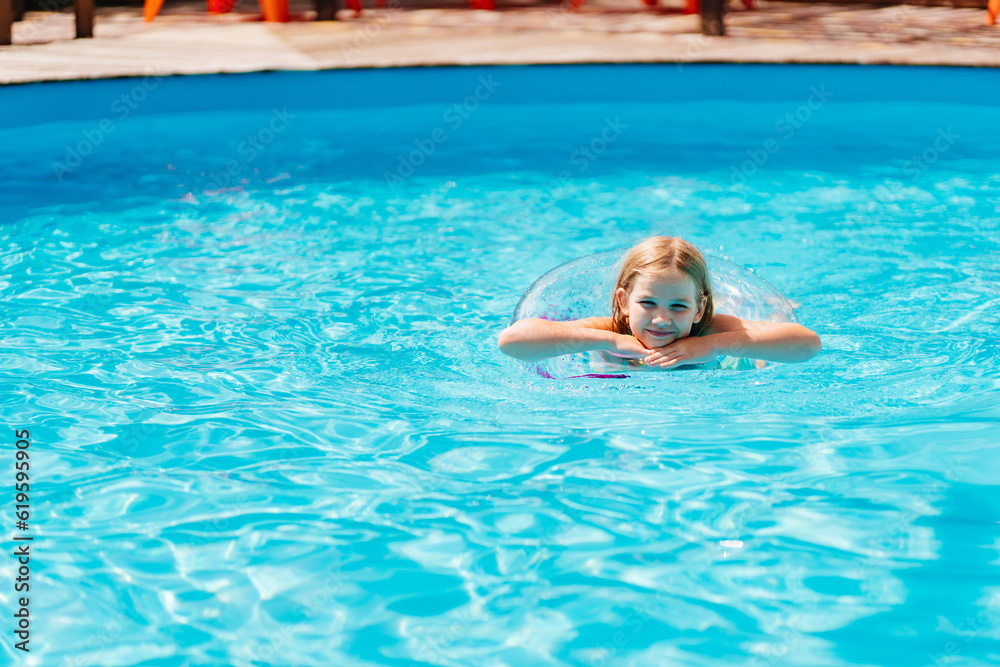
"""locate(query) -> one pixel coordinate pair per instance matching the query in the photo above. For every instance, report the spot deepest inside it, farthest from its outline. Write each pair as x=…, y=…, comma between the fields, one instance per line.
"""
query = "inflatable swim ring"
x=582, y=288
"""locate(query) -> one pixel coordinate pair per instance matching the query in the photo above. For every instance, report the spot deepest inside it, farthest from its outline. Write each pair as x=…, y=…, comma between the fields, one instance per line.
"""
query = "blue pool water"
x=271, y=425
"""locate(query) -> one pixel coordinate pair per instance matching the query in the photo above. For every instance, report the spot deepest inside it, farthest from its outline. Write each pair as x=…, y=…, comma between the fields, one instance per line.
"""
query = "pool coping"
x=186, y=41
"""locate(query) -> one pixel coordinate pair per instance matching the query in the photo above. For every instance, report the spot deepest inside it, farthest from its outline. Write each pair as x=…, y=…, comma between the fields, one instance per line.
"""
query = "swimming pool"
x=251, y=321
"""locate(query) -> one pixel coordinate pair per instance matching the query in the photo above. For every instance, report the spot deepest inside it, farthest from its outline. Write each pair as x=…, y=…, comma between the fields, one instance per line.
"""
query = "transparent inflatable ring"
x=582, y=288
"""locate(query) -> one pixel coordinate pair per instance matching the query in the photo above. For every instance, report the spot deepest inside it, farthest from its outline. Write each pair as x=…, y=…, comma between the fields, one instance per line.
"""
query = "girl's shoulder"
x=603, y=323
x=723, y=323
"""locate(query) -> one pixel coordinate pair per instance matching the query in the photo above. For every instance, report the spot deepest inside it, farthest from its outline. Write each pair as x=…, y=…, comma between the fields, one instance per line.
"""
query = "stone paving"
x=184, y=39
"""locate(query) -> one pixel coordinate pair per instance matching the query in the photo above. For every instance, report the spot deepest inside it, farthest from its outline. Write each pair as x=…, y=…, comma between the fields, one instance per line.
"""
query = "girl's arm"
x=731, y=336
x=532, y=339
x=773, y=341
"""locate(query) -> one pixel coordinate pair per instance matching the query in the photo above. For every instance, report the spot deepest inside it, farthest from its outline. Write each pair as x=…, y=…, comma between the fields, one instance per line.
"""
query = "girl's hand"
x=628, y=347
x=690, y=350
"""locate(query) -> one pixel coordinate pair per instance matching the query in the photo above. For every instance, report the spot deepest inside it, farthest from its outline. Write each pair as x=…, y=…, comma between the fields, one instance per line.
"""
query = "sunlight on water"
x=272, y=425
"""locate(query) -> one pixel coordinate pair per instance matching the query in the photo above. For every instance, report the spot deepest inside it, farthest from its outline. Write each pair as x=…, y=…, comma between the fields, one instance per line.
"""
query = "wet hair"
x=656, y=256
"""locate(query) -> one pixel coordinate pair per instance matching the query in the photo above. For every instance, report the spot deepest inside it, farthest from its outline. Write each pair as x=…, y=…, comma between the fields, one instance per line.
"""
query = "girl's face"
x=662, y=309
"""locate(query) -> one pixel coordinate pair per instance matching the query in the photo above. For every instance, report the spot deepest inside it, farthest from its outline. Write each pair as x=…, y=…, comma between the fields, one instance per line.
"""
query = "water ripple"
x=273, y=423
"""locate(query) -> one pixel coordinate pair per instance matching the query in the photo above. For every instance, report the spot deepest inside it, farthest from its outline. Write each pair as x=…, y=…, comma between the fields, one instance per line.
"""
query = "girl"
x=662, y=315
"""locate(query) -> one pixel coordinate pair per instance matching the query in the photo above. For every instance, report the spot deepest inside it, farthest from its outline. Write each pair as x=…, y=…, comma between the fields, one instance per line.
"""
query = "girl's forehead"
x=669, y=284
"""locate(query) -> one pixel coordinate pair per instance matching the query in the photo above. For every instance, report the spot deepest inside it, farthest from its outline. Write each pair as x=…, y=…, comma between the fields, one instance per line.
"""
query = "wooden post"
x=18, y=10
x=6, y=20
x=711, y=17
x=84, y=18
x=326, y=10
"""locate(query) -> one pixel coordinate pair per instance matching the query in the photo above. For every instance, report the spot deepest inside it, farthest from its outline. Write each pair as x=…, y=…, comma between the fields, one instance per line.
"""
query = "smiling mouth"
x=661, y=334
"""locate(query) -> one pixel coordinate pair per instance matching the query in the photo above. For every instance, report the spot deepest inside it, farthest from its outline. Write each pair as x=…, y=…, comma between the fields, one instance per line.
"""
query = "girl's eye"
x=679, y=306
x=646, y=303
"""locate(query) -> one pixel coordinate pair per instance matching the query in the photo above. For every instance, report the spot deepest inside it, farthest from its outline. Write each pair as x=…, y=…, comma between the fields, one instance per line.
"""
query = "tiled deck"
x=186, y=40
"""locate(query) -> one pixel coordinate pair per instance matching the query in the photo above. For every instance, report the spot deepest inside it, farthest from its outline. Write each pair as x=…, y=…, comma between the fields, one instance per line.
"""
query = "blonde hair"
x=653, y=257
